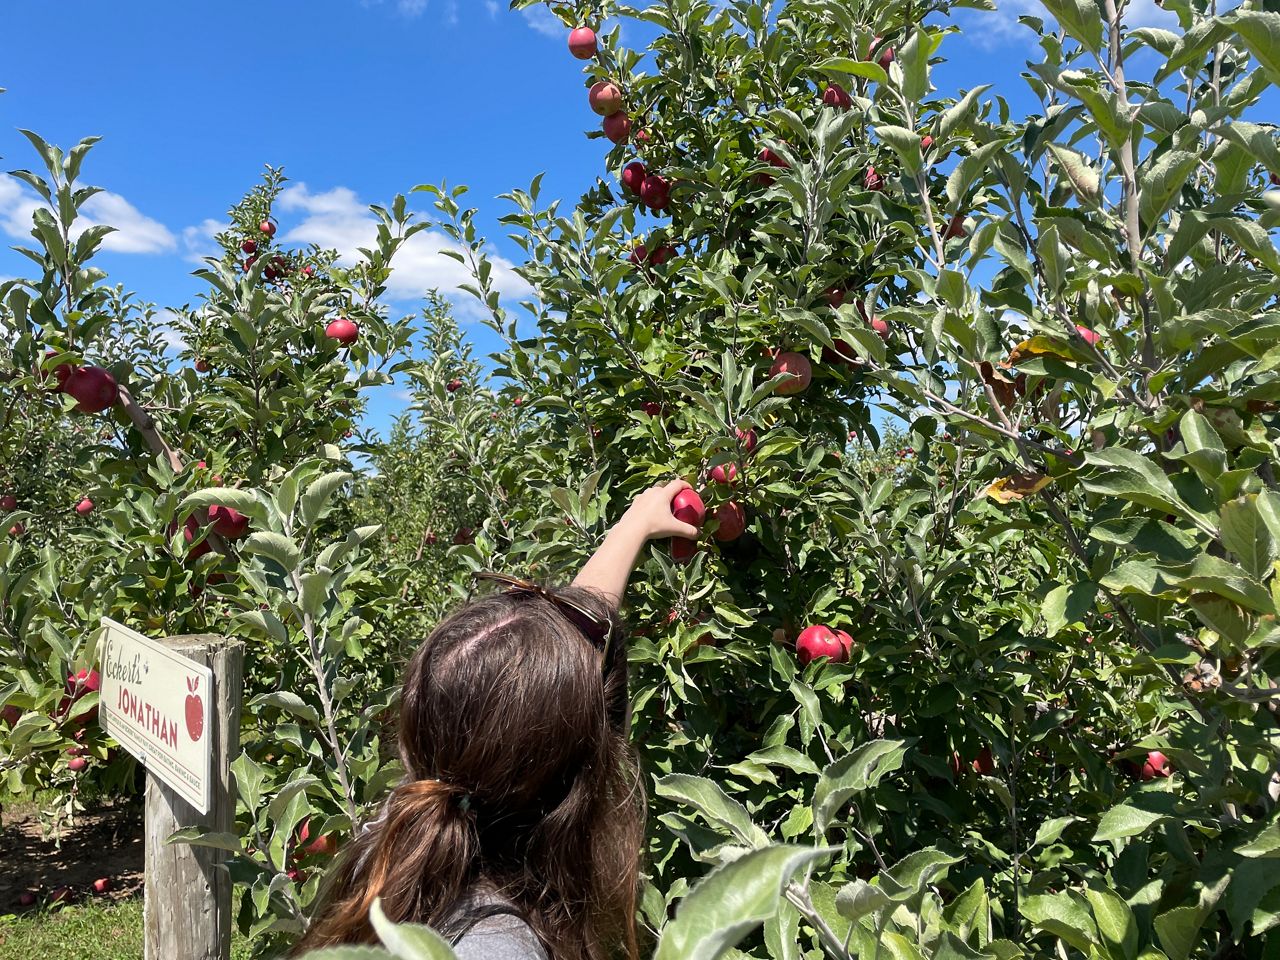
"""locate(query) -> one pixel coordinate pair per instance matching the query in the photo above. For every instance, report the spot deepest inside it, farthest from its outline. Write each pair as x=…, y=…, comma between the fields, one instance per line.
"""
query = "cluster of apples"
x=606, y=99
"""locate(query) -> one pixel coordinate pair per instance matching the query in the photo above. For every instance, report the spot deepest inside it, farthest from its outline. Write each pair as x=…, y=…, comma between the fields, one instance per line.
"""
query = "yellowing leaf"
x=1017, y=487
x=1039, y=346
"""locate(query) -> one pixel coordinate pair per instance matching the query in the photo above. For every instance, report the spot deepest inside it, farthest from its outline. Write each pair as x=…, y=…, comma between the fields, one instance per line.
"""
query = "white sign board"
x=155, y=704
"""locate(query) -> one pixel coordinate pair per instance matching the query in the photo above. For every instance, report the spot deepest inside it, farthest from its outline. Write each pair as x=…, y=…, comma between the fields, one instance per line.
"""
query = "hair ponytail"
x=426, y=829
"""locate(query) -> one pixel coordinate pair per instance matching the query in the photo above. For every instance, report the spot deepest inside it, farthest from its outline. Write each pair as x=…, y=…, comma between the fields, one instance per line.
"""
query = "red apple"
x=873, y=180
x=633, y=175
x=267, y=227
x=886, y=55
x=605, y=98
x=84, y=507
x=799, y=368
x=642, y=136
x=773, y=159
x=652, y=408
x=26, y=899
x=11, y=715
x=342, y=330
x=925, y=143
x=835, y=296
x=228, y=523
x=249, y=247
x=17, y=530
x=732, y=521
x=985, y=764
x=747, y=438
x=819, y=641
x=61, y=895
x=1156, y=766
x=617, y=127
x=431, y=538
x=724, y=473
x=1275, y=179
x=582, y=43
x=956, y=228
x=464, y=535
x=102, y=885
x=8, y=502
x=1088, y=336
x=843, y=353
x=77, y=764
x=191, y=530
x=661, y=254
x=836, y=96
x=454, y=385
x=881, y=328
x=248, y=264
x=846, y=641
x=94, y=388
x=655, y=192
x=518, y=402
x=308, y=271
x=638, y=255
x=682, y=549
x=202, y=365
x=687, y=507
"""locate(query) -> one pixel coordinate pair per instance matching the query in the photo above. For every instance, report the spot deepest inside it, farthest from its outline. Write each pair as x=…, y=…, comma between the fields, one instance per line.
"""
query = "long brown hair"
x=519, y=779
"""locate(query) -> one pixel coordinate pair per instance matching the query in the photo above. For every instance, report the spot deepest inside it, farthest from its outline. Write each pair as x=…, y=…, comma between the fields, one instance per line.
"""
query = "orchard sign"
x=155, y=703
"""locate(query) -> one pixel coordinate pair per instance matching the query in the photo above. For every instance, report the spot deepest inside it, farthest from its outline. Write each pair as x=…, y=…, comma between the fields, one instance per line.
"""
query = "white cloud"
x=337, y=219
x=492, y=7
x=135, y=232
x=541, y=20
x=164, y=319
x=1001, y=25
x=198, y=240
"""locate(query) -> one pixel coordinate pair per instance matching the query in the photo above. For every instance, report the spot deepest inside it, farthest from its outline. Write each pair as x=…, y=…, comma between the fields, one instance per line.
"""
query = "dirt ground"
x=105, y=842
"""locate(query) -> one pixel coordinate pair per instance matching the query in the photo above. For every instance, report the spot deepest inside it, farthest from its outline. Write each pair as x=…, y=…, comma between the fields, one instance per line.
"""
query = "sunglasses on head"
x=588, y=623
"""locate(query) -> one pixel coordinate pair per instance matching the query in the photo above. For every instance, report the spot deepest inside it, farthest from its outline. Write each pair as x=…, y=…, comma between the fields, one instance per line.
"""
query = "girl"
x=517, y=830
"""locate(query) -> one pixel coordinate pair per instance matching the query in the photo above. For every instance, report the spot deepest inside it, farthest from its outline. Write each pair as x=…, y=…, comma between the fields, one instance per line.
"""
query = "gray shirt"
x=502, y=936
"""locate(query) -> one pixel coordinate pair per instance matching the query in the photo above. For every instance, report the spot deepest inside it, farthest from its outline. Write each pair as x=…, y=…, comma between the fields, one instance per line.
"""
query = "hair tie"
x=464, y=802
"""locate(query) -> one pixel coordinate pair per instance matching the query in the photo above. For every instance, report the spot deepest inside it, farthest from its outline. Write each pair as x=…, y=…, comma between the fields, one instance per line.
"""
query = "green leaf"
x=348, y=953
x=914, y=872
x=1247, y=535
x=1160, y=184
x=409, y=941
x=1082, y=19
x=714, y=804
x=274, y=546
x=1131, y=476
x=858, y=899
x=1051, y=830
x=1067, y=604
x=1115, y=922
x=861, y=770
x=243, y=501
x=1061, y=915
x=289, y=702
x=1084, y=179
x=249, y=779
x=731, y=902
x=315, y=502
x=1265, y=844
x=1260, y=32
x=1125, y=820
x=867, y=69
x=201, y=837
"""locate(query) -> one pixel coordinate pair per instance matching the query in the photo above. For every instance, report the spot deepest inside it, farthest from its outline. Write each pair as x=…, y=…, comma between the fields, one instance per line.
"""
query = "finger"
x=678, y=528
x=676, y=485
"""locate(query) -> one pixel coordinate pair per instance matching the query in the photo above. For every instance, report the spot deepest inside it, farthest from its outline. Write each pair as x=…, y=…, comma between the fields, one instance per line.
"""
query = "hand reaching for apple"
x=651, y=513
x=649, y=517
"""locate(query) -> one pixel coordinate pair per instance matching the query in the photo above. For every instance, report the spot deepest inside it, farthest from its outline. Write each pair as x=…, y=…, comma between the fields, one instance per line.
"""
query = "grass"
x=89, y=931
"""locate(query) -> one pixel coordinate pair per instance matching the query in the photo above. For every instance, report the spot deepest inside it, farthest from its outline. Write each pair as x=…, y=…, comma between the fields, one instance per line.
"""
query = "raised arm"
x=648, y=518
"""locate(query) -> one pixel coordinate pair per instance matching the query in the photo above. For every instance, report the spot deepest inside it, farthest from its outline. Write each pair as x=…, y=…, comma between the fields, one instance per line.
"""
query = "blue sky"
x=357, y=99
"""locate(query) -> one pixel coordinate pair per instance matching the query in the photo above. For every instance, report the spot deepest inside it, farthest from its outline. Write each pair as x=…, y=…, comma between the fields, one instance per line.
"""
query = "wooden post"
x=187, y=906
